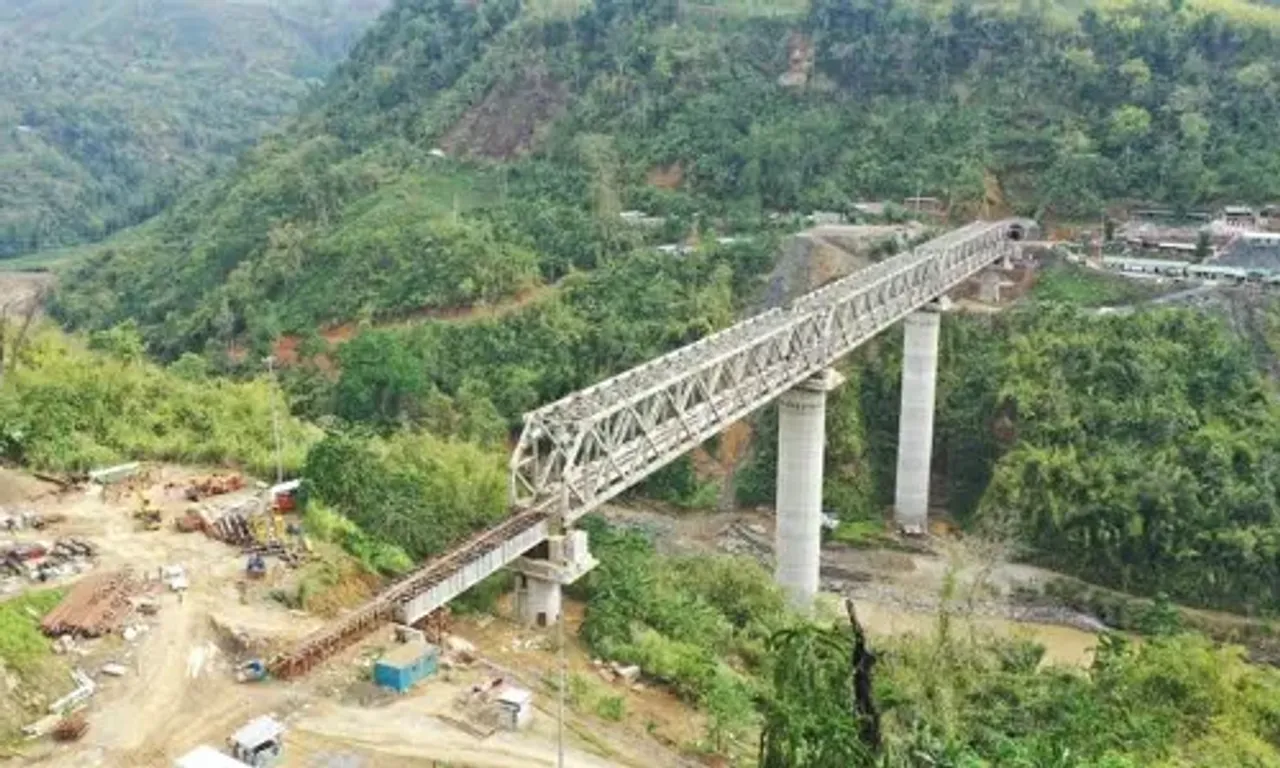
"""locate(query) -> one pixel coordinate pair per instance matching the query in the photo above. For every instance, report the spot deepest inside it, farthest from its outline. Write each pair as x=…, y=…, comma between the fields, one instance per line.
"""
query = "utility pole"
x=275, y=418
x=563, y=685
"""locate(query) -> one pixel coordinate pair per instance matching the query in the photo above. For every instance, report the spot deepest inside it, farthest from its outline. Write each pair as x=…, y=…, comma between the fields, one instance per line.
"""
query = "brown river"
x=1063, y=645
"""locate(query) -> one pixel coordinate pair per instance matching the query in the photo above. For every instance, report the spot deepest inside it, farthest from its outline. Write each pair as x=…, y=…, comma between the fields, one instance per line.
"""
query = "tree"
x=1203, y=249
x=819, y=713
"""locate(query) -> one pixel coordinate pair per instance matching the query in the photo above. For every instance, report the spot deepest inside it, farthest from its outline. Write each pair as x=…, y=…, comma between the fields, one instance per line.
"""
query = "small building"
x=259, y=742
x=1239, y=217
x=819, y=218
x=402, y=668
x=207, y=757
x=515, y=708
x=930, y=206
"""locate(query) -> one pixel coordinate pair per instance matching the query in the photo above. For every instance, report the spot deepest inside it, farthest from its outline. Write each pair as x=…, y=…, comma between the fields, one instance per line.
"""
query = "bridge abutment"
x=802, y=439
x=915, y=422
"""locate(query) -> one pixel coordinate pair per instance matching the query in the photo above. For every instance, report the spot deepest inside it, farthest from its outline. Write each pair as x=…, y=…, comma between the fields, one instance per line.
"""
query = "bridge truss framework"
x=579, y=452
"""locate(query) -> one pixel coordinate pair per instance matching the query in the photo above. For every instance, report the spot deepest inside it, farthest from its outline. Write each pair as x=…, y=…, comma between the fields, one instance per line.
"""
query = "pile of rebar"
x=96, y=606
x=347, y=630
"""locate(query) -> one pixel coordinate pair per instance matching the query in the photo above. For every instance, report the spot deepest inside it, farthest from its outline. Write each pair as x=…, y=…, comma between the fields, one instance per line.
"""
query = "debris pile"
x=41, y=561
x=214, y=485
x=615, y=672
x=71, y=727
x=22, y=519
x=94, y=607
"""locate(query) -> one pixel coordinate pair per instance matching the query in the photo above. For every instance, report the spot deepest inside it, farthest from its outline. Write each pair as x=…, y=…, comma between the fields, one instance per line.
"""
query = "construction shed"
x=515, y=708
x=207, y=757
x=404, y=666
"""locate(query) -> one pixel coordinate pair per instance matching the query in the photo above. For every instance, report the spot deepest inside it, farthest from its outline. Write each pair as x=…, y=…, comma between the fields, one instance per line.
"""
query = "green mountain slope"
x=553, y=116
x=108, y=107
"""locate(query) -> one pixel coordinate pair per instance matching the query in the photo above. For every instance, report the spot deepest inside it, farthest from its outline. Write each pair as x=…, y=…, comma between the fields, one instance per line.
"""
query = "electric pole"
x=563, y=665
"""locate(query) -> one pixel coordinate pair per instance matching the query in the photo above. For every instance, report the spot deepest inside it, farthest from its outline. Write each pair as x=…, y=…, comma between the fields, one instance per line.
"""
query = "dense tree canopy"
x=517, y=132
x=109, y=109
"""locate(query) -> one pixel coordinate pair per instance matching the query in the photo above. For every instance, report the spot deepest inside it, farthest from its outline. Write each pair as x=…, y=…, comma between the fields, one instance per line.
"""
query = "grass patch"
x=22, y=646
x=331, y=583
x=1068, y=283
x=324, y=523
x=587, y=695
x=865, y=534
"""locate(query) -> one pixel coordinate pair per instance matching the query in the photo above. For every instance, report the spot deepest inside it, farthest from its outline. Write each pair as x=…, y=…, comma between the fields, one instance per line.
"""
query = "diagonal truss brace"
x=587, y=448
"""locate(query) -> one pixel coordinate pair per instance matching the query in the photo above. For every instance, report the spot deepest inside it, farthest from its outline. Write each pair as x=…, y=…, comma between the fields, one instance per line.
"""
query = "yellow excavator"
x=147, y=514
x=267, y=527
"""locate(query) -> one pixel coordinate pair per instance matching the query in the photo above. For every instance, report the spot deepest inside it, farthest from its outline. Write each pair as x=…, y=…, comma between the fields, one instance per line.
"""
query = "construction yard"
x=166, y=591
x=160, y=608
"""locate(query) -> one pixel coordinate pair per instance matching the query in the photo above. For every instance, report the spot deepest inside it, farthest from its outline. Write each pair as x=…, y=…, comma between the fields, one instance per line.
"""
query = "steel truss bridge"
x=583, y=450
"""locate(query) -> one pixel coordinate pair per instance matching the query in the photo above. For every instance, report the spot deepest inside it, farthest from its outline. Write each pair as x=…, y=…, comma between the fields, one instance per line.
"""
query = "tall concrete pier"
x=802, y=440
x=915, y=423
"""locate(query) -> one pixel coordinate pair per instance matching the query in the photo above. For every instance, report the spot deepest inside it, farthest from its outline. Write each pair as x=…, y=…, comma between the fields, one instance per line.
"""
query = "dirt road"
x=405, y=730
x=179, y=689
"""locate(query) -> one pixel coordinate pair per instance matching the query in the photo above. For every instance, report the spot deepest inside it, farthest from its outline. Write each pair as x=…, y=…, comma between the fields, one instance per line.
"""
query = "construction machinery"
x=147, y=514
x=251, y=671
x=267, y=527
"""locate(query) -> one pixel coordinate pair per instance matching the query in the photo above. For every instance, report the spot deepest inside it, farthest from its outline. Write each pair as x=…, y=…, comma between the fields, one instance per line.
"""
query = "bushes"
x=380, y=557
x=1146, y=454
x=688, y=622
x=1174, y=700
x=69, y=409
x=421, y=492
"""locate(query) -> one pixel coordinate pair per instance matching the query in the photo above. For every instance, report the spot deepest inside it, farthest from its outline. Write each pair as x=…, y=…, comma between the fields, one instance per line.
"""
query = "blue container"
x=401, y=668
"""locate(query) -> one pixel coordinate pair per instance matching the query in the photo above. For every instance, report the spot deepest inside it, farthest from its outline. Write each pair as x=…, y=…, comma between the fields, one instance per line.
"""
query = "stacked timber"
x=96, y=606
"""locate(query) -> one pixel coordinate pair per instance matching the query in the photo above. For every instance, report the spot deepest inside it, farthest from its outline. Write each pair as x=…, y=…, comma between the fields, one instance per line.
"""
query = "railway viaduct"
x=581, y=451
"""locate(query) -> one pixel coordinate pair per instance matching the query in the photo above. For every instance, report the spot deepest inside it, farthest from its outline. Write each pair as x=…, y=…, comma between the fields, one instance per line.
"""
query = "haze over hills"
x=108, y=107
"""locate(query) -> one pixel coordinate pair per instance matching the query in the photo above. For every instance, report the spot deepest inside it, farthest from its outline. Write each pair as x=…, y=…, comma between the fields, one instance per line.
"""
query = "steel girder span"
x=581, y=451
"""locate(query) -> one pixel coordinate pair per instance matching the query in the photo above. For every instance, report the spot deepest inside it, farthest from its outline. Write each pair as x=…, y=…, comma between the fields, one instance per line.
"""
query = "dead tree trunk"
x=863, y=702
x=9, y=358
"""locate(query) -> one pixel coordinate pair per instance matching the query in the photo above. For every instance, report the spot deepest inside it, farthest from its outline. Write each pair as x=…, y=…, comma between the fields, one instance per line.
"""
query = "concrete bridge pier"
x=537, y=600
x=915, y=422
x=801, y=442
x=543, y=570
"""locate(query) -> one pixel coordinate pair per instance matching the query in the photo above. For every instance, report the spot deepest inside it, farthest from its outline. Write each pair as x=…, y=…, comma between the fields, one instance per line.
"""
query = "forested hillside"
x=109, y=107
x=434, y=246
x=552, y=117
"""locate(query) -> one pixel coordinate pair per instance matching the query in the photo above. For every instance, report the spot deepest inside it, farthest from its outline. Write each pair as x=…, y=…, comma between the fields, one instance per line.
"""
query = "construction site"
x=176, y=590
x=192, y=623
